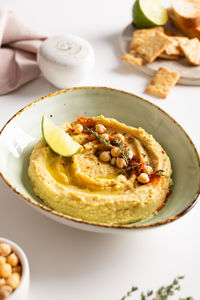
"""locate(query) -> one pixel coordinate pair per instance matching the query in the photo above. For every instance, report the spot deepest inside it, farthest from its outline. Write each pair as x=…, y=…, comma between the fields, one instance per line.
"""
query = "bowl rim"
x=25, y=266
x=86, y=222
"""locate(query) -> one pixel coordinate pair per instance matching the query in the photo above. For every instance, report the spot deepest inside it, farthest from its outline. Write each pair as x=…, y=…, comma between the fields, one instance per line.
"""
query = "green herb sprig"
x=124, y=152
x=163, y=293
x=159, y=172
x=116, y=142
x=98, y=136
x=129, y=293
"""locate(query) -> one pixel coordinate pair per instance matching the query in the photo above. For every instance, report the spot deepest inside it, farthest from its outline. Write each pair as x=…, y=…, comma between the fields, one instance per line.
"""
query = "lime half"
x=58, y=140
x=149, y=13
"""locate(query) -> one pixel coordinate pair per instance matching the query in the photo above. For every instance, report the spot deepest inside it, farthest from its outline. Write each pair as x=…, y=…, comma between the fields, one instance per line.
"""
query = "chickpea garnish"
x=143, y=178
x=119, y=137
x=115, y=151
x=105, y=156
x=113, y=161
x=78, y=128
x=120, y=162
x=100, y=128
x=147, y=169
x=105, y=136
x=129, y=154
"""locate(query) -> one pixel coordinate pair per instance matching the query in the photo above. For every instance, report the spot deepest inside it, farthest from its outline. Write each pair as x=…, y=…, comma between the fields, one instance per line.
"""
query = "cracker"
x=171, y=57
x=162, y=82
x=173, y=48
x=191, y=50
x=139, y=36
x=153, y=46
x=133, y=58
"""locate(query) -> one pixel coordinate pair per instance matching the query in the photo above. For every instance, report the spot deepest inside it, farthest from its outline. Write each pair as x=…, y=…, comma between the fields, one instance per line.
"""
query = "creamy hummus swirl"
x=86, y=188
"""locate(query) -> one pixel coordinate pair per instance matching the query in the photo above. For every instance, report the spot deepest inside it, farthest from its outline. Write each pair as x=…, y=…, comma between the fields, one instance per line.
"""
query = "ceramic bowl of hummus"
x=129, y=174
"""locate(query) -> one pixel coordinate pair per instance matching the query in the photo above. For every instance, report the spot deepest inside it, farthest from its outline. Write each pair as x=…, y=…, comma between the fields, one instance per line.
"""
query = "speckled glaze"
x=23, y=130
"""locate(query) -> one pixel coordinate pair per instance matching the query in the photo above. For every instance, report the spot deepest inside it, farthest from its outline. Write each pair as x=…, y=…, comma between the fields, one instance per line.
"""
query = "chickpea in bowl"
x=14, y=271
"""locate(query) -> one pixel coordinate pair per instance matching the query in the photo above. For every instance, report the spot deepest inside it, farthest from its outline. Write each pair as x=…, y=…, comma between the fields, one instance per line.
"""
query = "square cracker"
x=162, y=82
x=191, y=50
x=174, y=47
x=133, y=58
x=171, y=57
x=153, y=46
x=139, y=36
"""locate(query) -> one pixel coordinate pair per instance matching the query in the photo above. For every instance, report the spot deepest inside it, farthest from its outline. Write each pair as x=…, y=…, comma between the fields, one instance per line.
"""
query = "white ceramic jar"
x=21, y=292
x=65, y=61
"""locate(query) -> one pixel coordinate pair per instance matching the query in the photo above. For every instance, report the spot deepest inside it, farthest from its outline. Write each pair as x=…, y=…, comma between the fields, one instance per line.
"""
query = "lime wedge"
x=58, y=140
x=149, y=13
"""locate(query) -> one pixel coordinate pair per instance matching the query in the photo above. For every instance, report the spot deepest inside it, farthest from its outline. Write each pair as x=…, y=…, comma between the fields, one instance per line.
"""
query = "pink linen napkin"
x=18, y=49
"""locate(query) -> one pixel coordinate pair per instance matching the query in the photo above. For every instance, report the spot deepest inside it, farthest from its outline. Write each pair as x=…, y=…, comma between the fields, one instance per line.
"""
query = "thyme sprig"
x=129, y=293
x=116, y=142
x=159, y=172
x=163, y=293
x=98, y=136
x=124, y=152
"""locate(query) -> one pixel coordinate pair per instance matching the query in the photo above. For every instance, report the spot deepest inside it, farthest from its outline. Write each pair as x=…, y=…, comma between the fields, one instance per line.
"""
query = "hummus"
x=96, y=187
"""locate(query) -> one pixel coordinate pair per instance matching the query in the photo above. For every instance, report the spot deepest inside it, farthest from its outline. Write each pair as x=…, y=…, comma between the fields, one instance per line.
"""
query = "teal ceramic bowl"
x=23, y=130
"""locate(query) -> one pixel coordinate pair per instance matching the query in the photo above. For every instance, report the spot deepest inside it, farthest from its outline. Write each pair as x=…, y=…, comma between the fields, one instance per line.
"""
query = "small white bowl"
x=65, y=61
x=21, y=293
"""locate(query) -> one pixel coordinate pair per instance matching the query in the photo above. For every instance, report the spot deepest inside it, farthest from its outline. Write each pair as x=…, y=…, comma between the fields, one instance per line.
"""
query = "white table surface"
x=70, y=264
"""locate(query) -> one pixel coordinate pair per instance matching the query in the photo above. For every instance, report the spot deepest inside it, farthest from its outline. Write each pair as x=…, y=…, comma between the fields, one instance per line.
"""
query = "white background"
x=70, y=264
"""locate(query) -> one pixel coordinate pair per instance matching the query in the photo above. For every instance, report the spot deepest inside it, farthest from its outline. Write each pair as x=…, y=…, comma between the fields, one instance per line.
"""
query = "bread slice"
x=187, y=11
x=176, y=21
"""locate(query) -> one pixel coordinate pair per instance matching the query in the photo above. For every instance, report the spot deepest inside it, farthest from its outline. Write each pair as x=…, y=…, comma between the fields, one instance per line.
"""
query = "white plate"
x=190, y=75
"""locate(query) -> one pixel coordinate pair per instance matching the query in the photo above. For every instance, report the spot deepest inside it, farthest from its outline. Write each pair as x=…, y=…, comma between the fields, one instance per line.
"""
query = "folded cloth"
x=18, y=49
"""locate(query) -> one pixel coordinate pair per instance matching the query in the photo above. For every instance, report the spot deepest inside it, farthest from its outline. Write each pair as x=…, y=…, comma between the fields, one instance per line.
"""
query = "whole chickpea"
x=13, y=280
x=100, y=128
x=78, y=128
x=113, y=161
x=2, y=260
x=119, y=137
x=115, y=151
x=5, y=249
x=12, y=260
x=5, y=291
x=143, y=178
x=5, y=270
x=105, y=156
x=147, y=169
x=130, y=154
x=120, y=162
x=2, y=282
x=105, y=136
